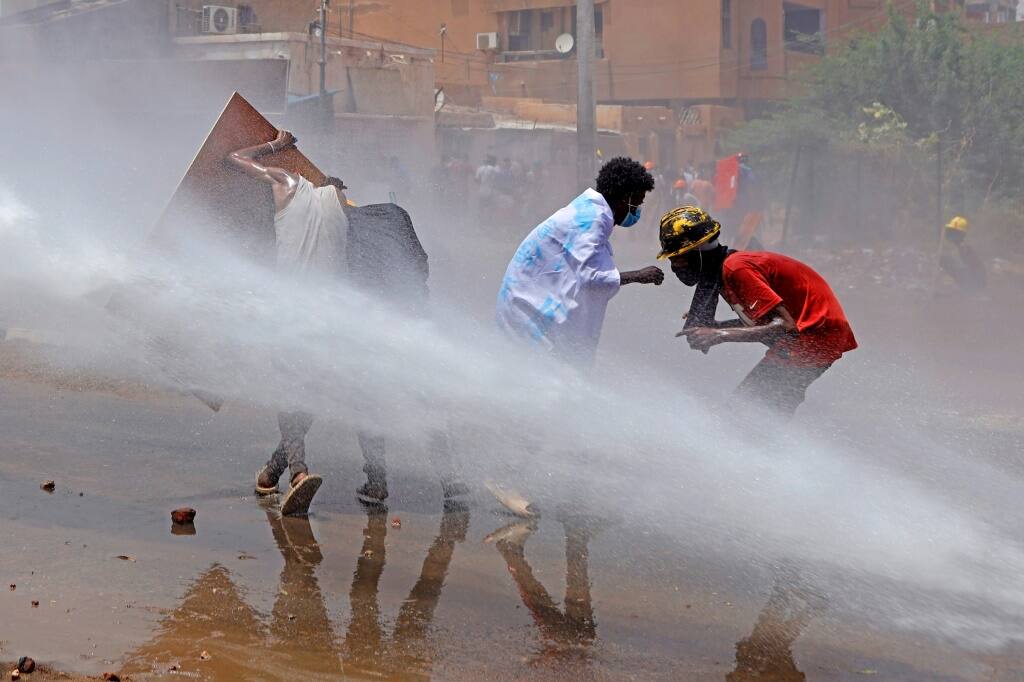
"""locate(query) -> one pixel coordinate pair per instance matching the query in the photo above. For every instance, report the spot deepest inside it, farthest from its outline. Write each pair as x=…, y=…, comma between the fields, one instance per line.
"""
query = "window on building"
x=758, y=45
x=519, y=24
x=547, y=21
x=530, y=34
x=802, y=28
x=726, y=24
x=247, y=21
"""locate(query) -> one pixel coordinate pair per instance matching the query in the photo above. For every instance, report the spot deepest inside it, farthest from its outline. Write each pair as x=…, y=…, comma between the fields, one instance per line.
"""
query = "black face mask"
x=688, y=277
x=691, y=271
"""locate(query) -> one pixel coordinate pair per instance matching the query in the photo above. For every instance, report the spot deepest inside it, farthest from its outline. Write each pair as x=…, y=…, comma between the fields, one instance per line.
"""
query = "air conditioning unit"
x=220, y=20
x=487, y=41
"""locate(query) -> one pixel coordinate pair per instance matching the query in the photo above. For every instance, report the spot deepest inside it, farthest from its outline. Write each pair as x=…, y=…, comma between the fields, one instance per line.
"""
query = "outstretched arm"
x=245, y=160
x=712, y=323
x=649, y=275
x=781, y=323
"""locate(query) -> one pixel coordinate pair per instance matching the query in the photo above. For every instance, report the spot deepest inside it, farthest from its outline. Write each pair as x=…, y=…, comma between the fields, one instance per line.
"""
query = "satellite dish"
x=439, y=99
x=564, y=43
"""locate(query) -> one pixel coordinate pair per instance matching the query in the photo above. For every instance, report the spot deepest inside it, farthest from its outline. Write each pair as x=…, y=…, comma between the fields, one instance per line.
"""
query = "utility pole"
x=939, y=176
x=351, y=18
x=323, y=49
x=586, y=123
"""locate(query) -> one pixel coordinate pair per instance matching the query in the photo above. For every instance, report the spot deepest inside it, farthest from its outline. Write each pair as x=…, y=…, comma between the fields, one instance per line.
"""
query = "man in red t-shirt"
x=780, y=302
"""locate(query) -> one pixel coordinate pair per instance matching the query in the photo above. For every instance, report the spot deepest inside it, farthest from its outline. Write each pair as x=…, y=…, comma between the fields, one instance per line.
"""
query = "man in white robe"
x=561, y=278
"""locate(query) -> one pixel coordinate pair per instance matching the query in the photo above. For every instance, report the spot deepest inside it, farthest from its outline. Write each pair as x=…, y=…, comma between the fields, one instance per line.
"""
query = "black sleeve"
x=703, y=305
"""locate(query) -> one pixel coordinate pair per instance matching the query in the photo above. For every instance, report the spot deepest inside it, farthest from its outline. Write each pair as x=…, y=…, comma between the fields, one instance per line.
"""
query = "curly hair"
x=622, y=177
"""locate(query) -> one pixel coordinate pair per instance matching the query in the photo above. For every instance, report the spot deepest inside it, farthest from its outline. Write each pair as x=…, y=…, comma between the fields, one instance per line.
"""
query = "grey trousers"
x=291, y=452
x=780, y=388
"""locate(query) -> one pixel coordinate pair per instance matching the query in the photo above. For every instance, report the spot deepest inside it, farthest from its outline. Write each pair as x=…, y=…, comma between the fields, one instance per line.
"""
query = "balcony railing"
x=542, y=55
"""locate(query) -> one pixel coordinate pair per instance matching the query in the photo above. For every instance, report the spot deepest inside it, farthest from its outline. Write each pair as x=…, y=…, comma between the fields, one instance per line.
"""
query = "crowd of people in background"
x=496, y=187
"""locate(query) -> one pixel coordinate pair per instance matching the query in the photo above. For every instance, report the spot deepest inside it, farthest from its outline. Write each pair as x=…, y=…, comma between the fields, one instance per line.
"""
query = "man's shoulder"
x=297, y=188
x=299, y=183
x=592, y=201
x=740, y=258
x=739, y=261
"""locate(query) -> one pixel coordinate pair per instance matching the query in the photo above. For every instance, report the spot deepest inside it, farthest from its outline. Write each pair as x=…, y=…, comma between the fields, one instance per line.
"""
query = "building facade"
x=671, y=74
x=649, y=52
x=667, y=52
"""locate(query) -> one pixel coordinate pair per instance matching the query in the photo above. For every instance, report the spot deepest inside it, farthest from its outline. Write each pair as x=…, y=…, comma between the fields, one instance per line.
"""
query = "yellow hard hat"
x=958, y=223
x=684, y=229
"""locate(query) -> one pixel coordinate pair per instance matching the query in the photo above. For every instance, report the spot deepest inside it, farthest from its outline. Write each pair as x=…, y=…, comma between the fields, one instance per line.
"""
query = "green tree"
x=902, y=88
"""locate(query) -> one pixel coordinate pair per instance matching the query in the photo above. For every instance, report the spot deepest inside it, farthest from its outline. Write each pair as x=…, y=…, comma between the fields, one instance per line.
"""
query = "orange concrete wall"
x=414, y=22
x=663, y=49
x=842, y=18
x=418, y=22
x=769, y=83
x=653, y=49
x=367, y=81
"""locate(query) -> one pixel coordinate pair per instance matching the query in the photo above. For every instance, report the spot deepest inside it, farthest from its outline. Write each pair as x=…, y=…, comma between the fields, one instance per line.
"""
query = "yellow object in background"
x=958, y=223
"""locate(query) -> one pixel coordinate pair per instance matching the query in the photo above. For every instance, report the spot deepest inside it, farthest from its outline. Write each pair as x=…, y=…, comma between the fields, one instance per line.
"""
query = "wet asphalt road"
x=347, y=594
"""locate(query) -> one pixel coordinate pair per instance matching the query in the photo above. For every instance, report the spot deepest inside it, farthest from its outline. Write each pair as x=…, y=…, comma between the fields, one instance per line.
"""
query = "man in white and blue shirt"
x=562, y=276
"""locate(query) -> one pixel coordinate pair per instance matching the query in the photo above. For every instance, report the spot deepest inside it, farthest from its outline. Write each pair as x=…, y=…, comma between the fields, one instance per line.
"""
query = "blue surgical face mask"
x=632, y=218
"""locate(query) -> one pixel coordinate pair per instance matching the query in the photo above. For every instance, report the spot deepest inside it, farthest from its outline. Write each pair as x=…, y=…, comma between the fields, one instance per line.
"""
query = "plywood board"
x=215, y=199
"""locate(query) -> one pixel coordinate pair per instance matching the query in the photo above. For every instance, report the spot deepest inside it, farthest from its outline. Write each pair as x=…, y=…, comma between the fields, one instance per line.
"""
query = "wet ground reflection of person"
x=567, y=633
x=299, y=622
x=300, y=641
x=767, y=654
x=367, y=648
x=216, y=634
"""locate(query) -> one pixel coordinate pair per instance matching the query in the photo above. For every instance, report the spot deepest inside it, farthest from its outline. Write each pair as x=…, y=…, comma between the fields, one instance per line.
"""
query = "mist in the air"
x=886, y=516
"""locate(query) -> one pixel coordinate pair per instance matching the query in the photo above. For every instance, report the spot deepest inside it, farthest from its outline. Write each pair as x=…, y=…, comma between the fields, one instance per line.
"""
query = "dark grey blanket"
x=385, y=255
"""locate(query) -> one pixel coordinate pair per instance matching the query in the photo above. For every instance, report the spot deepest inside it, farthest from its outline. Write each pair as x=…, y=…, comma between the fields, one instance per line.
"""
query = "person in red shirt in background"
x=704, y=191
x=780, y=302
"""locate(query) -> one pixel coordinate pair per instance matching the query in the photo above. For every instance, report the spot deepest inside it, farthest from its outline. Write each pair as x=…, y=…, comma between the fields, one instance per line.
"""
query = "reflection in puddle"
x=767, y=654
x=299, y=623
x=367, y=647
x=213, y=615
x=567, y=633
x=298, y=639
x=216, y=634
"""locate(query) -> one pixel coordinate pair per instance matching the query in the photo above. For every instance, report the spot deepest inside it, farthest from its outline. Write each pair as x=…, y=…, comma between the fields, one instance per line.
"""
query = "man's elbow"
x=782, y=325
x=602, y=280
x=237, y=159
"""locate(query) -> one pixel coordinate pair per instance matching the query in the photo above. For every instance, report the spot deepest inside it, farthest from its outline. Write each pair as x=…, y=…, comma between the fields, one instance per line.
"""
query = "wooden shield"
x=214, y=198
